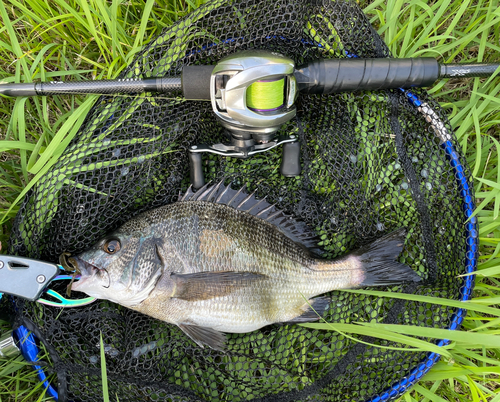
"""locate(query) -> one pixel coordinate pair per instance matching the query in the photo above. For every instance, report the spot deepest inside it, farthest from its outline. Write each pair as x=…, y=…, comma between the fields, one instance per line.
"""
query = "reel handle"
x=290, y=160
x=196, y=170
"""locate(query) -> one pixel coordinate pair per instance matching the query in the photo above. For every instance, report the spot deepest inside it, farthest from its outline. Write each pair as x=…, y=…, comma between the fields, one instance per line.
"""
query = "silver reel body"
x=250, y=130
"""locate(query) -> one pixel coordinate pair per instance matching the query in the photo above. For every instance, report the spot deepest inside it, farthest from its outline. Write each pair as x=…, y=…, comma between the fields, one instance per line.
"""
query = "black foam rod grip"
x=347, y=75
x=196, y=82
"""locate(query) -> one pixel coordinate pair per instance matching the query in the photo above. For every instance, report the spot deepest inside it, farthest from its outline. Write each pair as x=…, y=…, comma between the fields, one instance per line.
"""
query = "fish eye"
x=111, y=246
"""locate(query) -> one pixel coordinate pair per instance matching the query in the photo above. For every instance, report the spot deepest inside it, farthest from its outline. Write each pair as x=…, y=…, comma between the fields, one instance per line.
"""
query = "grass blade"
x=104, y=375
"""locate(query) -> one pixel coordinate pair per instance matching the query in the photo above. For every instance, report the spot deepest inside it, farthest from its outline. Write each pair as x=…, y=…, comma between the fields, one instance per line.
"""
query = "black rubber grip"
x=467, y=70
x=346, y=75
x=196, y=82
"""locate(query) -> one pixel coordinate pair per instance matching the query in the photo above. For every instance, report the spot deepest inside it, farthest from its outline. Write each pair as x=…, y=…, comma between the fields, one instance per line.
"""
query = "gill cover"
x=145, y=270
x=126, y=276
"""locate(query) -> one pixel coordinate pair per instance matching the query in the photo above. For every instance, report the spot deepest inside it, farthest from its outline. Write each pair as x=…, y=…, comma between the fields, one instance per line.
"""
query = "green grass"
x=40, y=40
x=456, y=31
x=104, y=374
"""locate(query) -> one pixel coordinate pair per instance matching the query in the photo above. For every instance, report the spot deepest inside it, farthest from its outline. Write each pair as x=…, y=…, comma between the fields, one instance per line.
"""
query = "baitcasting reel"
x=252, y=95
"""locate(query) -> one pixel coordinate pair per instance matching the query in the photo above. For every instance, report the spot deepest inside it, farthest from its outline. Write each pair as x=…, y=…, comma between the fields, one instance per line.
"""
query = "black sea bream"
x=219, y=260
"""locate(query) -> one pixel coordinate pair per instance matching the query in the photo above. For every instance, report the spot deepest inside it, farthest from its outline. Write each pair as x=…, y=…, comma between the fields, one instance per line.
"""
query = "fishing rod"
x=253, y=94
x=318, y=77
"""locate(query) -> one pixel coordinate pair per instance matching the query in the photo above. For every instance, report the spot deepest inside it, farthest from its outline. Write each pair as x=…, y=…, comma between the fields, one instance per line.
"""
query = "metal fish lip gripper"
x=29, y=279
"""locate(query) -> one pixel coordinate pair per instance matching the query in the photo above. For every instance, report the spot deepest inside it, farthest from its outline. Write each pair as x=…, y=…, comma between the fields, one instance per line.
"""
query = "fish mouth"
x=86, y=270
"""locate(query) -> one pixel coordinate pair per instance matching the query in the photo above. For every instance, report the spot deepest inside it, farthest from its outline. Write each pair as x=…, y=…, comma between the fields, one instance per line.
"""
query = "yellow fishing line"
x=266, y=95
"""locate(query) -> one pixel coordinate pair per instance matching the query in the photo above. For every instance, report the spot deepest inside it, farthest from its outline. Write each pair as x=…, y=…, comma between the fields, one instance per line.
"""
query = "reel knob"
x=196, y=169
x=290, y=160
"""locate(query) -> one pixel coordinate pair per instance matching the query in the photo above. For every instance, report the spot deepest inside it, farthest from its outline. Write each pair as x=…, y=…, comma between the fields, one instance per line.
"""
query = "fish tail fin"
x=378, y=261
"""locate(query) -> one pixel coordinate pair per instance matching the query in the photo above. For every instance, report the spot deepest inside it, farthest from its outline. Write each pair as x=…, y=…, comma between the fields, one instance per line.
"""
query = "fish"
x=221, y=261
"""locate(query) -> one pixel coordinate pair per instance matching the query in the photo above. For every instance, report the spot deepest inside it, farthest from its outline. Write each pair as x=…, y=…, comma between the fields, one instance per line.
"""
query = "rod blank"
x=467, y=70
x=100, y=87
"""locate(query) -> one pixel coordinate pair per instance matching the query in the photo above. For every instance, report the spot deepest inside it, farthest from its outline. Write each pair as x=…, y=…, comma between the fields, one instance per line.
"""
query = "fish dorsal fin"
x=240, y=200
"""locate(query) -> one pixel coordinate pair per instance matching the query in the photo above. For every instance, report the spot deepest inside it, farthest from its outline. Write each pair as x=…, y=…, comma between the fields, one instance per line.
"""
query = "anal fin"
x=205, y=336
x=313, y=310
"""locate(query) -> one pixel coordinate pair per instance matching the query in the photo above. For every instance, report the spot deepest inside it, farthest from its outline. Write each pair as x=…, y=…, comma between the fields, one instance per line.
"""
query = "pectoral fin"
x=209, y=284
x=205, y=336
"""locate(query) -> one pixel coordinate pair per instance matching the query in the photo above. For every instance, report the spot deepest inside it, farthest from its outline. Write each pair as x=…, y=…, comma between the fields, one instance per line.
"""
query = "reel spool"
x=253, y=95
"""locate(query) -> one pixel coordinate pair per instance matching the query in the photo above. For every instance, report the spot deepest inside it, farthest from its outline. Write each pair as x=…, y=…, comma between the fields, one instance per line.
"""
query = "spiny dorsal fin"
x=297, y=231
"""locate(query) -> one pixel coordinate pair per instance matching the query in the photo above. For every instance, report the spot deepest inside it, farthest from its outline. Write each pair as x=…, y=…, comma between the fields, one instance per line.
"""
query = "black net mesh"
x=371, y=164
